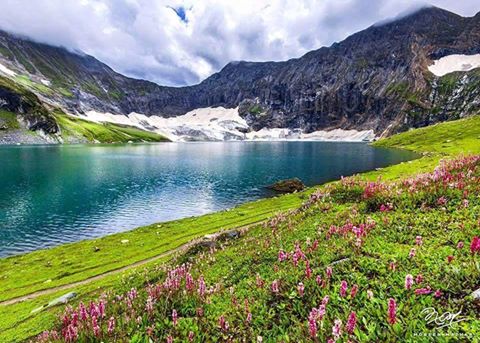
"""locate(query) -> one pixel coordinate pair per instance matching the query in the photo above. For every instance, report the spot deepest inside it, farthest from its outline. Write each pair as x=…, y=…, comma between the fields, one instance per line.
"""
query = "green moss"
x=27, y=82
x=8, y=120
x=65, y=92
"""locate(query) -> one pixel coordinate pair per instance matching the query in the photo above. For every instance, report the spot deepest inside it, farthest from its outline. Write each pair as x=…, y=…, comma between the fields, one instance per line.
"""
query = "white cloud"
x=149, y=39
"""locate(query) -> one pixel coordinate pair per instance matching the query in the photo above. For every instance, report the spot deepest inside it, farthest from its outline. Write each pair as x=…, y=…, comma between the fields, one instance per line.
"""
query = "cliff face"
x=375, y=79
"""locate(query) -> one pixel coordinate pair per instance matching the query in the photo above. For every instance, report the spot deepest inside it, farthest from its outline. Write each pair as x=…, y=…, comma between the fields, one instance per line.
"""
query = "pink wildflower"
x=354, y=291
x=322, y=310
x=475, y=245
x=308, y=270
x=343, y=288
x=223, y=323
x=423, y=291
x=189, y=284
x=201, y=286
x=337, y=329
x=325, y=300
x=312, y=324
x=412, y=253
x=408, y=281
x=190, y=336
x=111, y=325
x=392, y=266
x=438, y=293
x=101, y=308
x=174, y=317
x=149, y=305
x=249, y=317
x=450, y=258
x=275, y=286
x=259, y=281
x=418, y=240
x=318, y=280
x=169, y=339
x=441, y=201
x=392, y=311
x=351, y=322
x=329, y=272
x=83, y=311
x=301, y=289
x=419, y=278
x=95, y=327
x=282, y=256
x=460, y=245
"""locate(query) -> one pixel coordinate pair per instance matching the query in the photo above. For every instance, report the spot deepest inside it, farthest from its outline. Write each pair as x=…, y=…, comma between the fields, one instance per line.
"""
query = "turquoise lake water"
x=56, y=194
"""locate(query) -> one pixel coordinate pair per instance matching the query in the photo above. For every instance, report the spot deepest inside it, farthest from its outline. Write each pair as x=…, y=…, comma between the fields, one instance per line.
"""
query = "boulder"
x=288, y=186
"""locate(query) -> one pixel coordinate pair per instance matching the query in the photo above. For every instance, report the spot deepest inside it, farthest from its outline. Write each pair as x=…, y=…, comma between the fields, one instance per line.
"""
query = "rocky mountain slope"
x=377, y=79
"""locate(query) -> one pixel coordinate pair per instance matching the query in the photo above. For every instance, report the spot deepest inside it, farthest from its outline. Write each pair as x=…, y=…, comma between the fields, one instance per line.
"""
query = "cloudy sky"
x=180, y=42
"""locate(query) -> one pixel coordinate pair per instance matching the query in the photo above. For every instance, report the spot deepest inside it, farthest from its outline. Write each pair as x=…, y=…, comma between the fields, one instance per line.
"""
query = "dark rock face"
x=27, y=106
x=288, y=186
x=375, y=79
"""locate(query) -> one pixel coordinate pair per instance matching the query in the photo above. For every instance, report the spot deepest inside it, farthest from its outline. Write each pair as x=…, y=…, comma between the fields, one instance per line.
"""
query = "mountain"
x=377, y=79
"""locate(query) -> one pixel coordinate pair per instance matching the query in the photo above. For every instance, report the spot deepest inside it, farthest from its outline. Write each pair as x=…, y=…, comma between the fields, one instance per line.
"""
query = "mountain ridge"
x=376, y=79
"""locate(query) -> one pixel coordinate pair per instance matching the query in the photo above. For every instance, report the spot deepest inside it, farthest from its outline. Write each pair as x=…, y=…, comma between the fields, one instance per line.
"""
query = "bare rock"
x=288, y=186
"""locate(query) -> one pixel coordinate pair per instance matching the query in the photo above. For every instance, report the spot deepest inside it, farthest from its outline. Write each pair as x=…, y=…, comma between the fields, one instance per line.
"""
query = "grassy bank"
x=234, y=270
x=74, y=129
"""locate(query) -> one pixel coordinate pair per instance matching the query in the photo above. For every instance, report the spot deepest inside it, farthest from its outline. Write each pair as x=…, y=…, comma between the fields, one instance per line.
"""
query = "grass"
x=74, y=129
x=9, y=120
x=448, y=138
x=237, y=264
x=24, y=80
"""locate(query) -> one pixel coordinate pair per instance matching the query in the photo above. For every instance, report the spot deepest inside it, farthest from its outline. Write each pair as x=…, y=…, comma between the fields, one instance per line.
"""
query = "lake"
x=56, y=194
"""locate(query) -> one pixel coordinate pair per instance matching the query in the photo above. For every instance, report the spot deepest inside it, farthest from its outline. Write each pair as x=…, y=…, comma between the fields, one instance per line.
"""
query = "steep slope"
x=24, y=118
x=375, y=79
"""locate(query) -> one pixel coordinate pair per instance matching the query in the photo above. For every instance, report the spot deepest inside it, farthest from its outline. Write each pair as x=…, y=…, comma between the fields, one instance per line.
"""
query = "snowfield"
x=220, y=124
x=7, y=71
x=452, y=63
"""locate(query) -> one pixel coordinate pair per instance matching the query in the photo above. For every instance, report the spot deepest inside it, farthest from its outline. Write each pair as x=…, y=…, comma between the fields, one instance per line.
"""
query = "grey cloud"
x=147, y=39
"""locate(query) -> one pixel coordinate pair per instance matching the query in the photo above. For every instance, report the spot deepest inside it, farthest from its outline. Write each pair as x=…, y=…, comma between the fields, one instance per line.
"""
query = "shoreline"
x=17, y=251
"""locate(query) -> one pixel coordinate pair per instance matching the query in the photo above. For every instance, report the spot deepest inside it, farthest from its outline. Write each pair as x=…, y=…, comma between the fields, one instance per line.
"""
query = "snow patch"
x=205, y=124
x=221, y=124
x=7, y=71
x=337, y=135
x=45, y=82
x=451, y=63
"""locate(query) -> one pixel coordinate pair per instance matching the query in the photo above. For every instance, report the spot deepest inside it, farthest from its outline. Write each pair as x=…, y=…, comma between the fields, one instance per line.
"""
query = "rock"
x=340, y=261
x=124, y=241
x=476, y=295
x=230, y=234
x=95, y=249
x=60, y=300
x=288, y=186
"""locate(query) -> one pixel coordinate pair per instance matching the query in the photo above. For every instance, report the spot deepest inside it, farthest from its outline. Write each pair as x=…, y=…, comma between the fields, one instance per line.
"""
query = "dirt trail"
x=181, y=248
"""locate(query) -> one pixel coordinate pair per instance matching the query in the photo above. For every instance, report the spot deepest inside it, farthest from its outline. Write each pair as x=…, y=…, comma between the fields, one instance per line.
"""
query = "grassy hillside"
x=60, y=127
x=74, y=130
x=272, y=280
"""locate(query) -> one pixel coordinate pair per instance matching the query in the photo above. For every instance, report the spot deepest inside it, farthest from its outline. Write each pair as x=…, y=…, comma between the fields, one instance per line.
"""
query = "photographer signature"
x=444, y=320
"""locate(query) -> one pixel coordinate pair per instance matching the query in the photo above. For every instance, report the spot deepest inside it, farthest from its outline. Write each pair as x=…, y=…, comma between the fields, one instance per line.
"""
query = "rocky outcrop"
x=376, y=79
x=287, y=186
x=29, y=109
